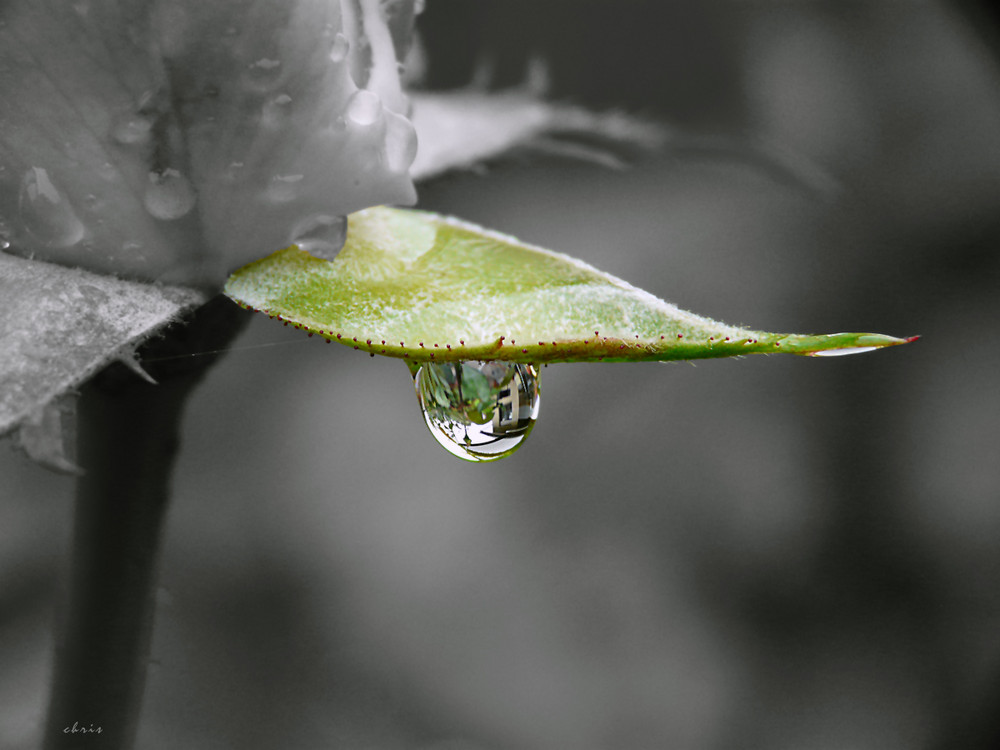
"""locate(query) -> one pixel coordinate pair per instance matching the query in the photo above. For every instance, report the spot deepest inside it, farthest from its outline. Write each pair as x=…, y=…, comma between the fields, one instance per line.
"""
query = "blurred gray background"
x=773, y=552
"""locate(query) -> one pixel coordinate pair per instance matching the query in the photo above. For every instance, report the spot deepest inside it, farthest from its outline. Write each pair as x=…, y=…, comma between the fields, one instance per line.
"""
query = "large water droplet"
x=169, y=195
x=478, y=411
x=46, y=213
x=364, y=107
x=321, y=235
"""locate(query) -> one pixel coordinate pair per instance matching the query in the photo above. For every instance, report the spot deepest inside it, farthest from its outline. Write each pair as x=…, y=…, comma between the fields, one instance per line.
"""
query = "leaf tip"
x=841, y=344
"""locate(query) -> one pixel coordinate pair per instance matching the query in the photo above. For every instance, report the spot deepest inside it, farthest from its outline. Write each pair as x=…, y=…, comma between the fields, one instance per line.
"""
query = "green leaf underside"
x=423, y=287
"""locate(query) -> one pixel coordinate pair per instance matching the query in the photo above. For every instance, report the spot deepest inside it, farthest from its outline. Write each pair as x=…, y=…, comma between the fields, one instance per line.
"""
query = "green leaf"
x=425, y=287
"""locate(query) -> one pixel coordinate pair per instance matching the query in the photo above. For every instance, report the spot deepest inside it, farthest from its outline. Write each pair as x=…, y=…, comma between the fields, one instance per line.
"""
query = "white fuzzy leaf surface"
x=61, y=325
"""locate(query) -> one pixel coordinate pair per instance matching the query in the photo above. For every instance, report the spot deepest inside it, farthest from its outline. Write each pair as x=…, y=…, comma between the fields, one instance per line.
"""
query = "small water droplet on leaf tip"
x=843, y=352
x=478, y=411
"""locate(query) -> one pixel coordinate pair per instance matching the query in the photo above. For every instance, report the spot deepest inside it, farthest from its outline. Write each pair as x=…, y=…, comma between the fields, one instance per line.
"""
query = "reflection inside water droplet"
x=478, y=411
x=321, y=235
x=46, y=213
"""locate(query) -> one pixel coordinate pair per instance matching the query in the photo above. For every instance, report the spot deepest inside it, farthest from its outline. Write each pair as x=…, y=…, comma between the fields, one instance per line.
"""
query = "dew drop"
x=843, y=352
x=321, y=235
x=262, y=75
x=283, y=188
x=4, y=234
x=364, y=107
x=169, y=195
x=478, y=411
x=234, y=172
x=339, y=48
x=275, y=111
x=46, y=213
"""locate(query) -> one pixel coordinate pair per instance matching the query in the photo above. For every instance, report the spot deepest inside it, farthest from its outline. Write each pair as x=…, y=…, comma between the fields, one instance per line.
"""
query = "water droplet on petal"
x=400, y=143
x=131, y=129
x=283, y=188
x=478, y=411
x=275, y=111
x=46, y=213
x=322, y=235
x=263, y=75
x=234, y=172
x=364, y=107
x=4, y=234
x=169, y=195
x=92, y=202
x=339, y=49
